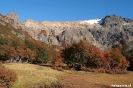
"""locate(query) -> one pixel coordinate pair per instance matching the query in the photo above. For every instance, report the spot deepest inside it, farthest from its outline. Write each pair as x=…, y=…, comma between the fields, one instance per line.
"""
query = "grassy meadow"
x=31, y=76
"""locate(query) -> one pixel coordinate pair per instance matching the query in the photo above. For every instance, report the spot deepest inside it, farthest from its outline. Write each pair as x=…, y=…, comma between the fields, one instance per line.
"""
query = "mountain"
x=102, y=32
x=12, y=29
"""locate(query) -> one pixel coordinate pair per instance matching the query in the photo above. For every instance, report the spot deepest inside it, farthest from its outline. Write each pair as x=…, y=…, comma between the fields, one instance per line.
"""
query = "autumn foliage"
x=7, y=77
x=79, y=56
x=115, y=60
x=92, y=58
x=17, y=51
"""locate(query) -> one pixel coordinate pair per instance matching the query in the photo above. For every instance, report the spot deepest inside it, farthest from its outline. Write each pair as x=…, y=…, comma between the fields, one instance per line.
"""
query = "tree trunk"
x=11, y=60
x=20, y=61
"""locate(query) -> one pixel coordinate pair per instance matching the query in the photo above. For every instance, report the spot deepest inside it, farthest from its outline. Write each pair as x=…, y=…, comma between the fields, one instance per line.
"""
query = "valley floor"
x=31, y=76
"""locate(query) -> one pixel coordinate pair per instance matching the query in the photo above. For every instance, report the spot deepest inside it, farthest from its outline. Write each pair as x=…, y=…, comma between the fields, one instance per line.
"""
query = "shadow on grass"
x=52, y=85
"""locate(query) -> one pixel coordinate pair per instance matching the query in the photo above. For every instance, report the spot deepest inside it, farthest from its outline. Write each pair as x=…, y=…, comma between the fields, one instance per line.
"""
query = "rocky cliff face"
x=112, y=28
x=101, y=32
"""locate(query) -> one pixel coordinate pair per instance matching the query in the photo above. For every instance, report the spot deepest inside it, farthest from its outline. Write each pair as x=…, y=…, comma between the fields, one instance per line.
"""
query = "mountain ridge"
x=102, y=34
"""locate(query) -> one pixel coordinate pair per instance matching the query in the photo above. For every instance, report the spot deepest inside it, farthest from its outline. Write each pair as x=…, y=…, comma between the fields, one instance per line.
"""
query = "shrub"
x=7, y=77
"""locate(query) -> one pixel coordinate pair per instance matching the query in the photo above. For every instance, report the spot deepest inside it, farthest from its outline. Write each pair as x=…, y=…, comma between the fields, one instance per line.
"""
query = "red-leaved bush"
x=7, y=77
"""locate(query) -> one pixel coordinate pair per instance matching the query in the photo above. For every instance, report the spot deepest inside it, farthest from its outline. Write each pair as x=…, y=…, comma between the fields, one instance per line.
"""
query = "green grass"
x=30, y=75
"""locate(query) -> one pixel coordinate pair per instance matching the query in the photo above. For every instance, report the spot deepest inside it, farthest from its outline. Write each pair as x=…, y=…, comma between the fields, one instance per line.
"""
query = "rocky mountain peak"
x=112, y=21
x=13, y=16
x=127, y=20
x=12, y=19
x=31, y=23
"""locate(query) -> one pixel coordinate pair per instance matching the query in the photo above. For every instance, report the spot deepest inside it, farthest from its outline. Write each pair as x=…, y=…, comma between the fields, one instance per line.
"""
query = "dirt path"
x=80, y=81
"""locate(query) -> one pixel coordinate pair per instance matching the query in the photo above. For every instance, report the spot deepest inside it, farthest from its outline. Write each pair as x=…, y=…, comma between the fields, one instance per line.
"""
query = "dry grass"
x=99, y=80
x=31, y=76
x=109, y=79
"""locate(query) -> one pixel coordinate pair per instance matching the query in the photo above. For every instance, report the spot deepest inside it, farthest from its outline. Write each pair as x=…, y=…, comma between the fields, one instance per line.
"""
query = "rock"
x=12, y=19
x=15, y=22
x=13, y=16
x=127, y=20
x=101, y=35
x=113, y=28
x=111, y=21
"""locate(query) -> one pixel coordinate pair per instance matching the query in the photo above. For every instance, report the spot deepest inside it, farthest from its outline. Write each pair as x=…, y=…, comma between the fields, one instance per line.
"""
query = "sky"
x=66, y=10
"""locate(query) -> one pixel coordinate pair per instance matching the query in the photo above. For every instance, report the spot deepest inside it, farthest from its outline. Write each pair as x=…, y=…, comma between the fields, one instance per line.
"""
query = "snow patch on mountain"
x=94, y=21
x=126, y=24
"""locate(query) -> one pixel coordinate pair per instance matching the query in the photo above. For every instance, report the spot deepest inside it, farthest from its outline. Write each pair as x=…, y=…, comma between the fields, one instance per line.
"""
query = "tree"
x=11, y=53
x=98, y=58
x=31, y=55
x=57, y=59
x=15, y=44
x=108, y=57
x=125, y=50
x=73, y=53
x=89, y=56
x=21, y=54
x=116, y=59
x=82, y=53
x=3, y=41
x=129, y=57
x=2, y=53
x=29, y=44
x=42, y=55
x=25, y=54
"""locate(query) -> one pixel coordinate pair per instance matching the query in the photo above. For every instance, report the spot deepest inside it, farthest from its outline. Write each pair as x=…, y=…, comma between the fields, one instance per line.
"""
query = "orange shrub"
x=7, y=77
